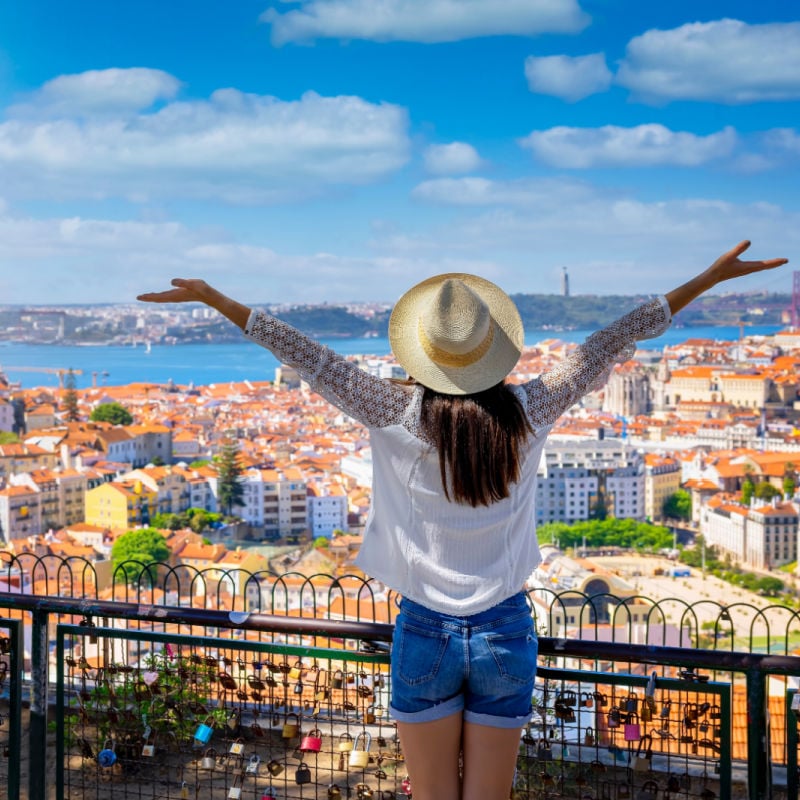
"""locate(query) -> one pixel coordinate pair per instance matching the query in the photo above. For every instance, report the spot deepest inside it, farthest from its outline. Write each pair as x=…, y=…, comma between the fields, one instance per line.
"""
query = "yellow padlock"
x=291, y=729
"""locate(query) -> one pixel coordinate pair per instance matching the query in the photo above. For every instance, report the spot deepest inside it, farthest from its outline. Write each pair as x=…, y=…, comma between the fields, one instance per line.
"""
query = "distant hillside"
x=547, y=311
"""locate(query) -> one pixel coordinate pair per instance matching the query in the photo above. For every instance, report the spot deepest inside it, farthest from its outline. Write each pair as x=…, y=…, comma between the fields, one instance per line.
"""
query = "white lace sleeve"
x=553, y=392
x=372, y=401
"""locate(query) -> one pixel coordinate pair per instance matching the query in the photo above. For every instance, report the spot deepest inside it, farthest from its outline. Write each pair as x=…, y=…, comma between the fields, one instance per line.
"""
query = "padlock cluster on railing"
x=224, y=726
x=620, y=743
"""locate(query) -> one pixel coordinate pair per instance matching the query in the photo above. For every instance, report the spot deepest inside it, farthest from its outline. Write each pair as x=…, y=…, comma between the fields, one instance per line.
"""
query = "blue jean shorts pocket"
x=419, y=653
x=515, y=654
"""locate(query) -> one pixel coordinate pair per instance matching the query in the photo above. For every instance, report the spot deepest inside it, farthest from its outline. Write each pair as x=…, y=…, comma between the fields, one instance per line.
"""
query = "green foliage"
x=321, y=541
x=748, y=488
x=724, y=570
x=201, y=462
x=678, y=505
x=230, y=491
x=70, y=399
x=766, y=491
x=198, y=519
x=114, y=413
x=173, y=704
x=132, y=551
x=6, y=437
x=612, y=532
x=789, y=485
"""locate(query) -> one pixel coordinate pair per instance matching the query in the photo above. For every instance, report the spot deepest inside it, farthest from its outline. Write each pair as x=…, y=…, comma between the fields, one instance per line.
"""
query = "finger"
x=740, y=248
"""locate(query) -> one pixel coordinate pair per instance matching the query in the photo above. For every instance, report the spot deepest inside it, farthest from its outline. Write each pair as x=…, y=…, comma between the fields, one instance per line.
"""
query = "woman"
x=451, y=528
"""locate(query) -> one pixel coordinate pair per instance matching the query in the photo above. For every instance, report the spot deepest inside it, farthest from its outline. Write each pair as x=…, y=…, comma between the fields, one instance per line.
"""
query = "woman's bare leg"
x=431, y=750
x=490, y=755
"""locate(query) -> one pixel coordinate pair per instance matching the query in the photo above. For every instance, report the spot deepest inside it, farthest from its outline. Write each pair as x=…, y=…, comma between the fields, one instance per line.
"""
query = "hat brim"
x=490, y=369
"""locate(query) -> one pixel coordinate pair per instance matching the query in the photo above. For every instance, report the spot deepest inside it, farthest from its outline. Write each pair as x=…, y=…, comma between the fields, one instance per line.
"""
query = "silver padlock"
x=252, y=765
x=359, y=755
x=209, y=759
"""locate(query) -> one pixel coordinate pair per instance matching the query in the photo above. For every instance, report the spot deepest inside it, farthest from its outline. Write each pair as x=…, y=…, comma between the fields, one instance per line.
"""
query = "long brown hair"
x=478, y=438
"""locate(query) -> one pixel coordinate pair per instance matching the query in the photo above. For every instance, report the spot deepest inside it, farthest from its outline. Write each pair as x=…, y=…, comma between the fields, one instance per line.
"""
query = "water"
x=203, y=364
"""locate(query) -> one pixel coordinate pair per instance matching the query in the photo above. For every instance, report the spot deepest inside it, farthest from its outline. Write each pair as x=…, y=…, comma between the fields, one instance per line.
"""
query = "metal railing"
x=116, y=668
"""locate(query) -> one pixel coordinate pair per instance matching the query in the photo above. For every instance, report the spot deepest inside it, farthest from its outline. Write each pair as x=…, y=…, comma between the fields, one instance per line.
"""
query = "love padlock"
x=337, y=679
x=369, y=715
x=363, y=792
x=274, y=767
x=291, y=729
x=237, y=747
x=631, y=729
x=359, y=755
x=204, y=731
x=235, y=792
x=107, y=757
x=405, y=786
x=252, y=764
x=302, y=773
x=209, y=759
x=296, y=671
x=345, y=742
x=334, y=792
x=269, y=794
x=311, y=742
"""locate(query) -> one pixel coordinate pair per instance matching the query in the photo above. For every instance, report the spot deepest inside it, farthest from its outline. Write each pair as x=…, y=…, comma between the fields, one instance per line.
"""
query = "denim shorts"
x=482, y=665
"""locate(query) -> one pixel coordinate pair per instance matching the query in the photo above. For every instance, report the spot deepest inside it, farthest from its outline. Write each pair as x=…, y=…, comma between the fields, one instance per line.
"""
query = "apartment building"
x=121, y=505
x=662, y=478
x=169, y=483
x=575, y=476
x=20, y=513
x=274, y=500
x=327, y=510
x=761, y=537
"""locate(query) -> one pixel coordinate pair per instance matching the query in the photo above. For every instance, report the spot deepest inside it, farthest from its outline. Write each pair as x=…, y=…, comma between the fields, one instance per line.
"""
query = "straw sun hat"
x=456, y=333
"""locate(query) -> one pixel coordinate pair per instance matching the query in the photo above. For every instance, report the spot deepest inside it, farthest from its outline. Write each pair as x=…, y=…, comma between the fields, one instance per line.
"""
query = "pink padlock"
x=312, y=742
x=405, y=786
x=631, y=729
x=269, y=795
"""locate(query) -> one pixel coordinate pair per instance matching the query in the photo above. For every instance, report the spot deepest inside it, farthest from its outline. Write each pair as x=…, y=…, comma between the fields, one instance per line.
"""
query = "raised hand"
x=729, y=265
x=195, y=290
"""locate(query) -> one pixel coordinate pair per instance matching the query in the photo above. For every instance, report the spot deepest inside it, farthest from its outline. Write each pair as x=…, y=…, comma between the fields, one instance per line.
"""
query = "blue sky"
x=341, y=150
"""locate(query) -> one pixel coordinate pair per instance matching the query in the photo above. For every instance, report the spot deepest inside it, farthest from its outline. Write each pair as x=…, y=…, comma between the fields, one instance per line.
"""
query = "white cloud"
x=724, y=61
x=640, y=146
x=235, y=147
x=570, y=78
x=516, y=232
x=455, y=158
x=108, y=91
x=423, y=20
x=783, y=140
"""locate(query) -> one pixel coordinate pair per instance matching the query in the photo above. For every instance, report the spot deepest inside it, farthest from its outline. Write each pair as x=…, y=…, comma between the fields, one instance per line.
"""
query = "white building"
x=761, y=537
x=575, y=476
x=327, y=510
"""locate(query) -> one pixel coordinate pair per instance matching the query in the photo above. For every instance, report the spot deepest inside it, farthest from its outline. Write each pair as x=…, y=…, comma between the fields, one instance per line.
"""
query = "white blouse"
x=448, y=556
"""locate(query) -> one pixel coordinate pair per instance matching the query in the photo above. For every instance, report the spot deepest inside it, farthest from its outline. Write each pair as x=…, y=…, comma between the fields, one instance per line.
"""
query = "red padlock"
x=405, y=786
x=312, y=742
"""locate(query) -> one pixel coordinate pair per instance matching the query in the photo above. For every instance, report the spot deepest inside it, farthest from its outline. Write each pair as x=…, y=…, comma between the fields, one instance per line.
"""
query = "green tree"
x=766, y=491
x=70, y=399
x=321, y=541
x=748, y=487
x=678, y=505
x=769, y=586
x=6, y=437
x=145, y=546
x=114, y=413
x=789, y=483
x=230, y=491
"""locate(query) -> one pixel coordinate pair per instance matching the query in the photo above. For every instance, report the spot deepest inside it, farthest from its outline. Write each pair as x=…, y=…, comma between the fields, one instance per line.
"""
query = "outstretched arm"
x=726, y=267
x=370, y=400
x=552, y=393
x=193, y=290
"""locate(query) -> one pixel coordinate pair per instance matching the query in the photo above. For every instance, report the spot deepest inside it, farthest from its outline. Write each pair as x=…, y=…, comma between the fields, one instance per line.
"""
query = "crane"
x=60, y=371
